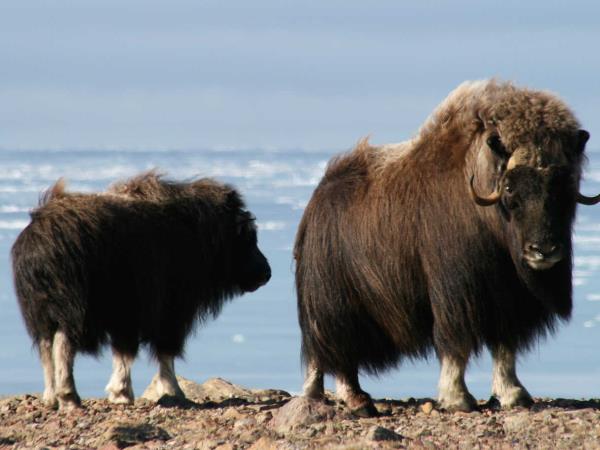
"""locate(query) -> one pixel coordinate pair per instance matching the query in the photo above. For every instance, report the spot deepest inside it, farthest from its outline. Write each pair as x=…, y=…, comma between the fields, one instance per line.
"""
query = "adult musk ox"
x=456, y=240
x=138, y=265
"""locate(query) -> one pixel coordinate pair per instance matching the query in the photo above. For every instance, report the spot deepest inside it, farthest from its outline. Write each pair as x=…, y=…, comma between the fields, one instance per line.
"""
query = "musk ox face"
x=252, y=269
x=539, y=206
x=536, y=194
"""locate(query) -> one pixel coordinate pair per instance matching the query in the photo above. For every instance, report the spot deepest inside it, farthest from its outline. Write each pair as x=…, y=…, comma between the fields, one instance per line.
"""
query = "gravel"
x=220, y=415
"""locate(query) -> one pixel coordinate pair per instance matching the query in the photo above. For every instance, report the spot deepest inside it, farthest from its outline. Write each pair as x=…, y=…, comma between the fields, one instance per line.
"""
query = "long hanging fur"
x=141, y=264
x=394, y=259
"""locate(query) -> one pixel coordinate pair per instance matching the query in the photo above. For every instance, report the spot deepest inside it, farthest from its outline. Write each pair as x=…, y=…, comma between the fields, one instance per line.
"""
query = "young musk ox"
x=141, y=264
x=400, y=251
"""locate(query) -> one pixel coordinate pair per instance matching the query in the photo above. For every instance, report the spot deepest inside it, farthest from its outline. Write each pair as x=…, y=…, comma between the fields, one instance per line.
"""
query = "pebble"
x=250, y=424
x=377, y=433
x=427, y=407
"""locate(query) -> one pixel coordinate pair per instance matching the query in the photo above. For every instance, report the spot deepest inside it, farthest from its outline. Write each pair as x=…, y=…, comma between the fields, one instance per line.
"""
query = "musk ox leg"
x=63, y=355
x=453, y=393
x=505, y=384
x=313, y=382
x=49, y=396
x=165, y=381
x=119, y=387
x=358, y=401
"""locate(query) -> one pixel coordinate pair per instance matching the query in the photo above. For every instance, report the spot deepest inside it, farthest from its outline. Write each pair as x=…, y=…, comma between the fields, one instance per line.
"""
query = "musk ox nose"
x=266, y=276
x=540, y=256
x=259, y=277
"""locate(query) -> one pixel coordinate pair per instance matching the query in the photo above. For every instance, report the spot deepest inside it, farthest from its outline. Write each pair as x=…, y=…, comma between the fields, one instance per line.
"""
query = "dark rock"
x=130, y=434
x=301, y=411
x=377, y=433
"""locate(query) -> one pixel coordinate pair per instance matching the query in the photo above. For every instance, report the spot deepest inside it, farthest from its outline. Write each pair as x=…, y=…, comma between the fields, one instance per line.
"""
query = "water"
x=256, y=340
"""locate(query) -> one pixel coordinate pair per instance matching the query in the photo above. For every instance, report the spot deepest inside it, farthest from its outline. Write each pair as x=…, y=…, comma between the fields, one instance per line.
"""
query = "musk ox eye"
x=495, y=144
x=508, y=188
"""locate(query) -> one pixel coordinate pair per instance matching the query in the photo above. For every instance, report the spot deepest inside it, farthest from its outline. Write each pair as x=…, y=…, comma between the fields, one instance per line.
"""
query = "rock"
x=130, y=434
x=214, y=389
x=516, y=422
x=264, y=443
x=248, y=423
x=377, y=433
x=232, y=414
x=264, y=417
x=268, y=394
x=109, y=447
x=227, y=446
x=427, y=407
x=301, y=411
x=247, y=437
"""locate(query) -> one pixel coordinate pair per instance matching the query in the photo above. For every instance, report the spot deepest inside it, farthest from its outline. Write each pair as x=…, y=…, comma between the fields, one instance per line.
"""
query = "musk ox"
x=455, y=240
x=141, y=264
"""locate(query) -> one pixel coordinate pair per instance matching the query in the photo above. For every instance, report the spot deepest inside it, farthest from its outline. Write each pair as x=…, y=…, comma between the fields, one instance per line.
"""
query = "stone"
x=214, y=389
x=264, y=443
x=247, y=422
x=232, y=414
x=110, y=446
x=516, y=422
x=301, y=411
x=126, y=435
x=377, y=433
x=227, y=446
x=264, y=417
x=427, y=407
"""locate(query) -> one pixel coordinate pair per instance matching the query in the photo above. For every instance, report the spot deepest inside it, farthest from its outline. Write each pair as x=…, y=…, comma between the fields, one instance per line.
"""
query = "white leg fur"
x=49, y=396
x=453, y=393
x=505, y=384
x=313, y=382
x=63, y=356
x=164, y=382
x=119, y=387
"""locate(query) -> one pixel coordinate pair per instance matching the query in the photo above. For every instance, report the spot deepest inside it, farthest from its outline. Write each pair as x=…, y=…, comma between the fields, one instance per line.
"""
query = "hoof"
x=120, y=398
x=365, y=411
x=174, y=401
x=50, y=400
x=361, y=405
x=156, y=391
x=464, y=404
x=520, y=398
x=524, y=402
x=68, y=402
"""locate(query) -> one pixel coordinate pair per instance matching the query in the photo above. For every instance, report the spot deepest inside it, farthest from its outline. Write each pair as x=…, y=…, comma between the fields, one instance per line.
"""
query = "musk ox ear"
x=582, y=138
x=58, y=190
x=234, y=199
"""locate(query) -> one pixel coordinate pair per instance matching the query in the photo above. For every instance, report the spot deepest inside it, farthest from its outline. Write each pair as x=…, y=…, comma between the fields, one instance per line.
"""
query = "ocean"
x=256, y=340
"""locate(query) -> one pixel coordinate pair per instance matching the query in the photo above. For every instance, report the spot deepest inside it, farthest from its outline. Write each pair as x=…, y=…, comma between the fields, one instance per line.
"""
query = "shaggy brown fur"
x=395, y=259
x=140, y=265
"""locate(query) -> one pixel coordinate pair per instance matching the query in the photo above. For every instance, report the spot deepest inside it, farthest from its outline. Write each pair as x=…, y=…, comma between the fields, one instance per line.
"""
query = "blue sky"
x=274, y=74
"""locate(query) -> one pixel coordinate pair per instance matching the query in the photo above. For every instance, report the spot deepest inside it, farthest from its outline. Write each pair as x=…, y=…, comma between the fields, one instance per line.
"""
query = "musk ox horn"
x=585, y=200
x=490, y=200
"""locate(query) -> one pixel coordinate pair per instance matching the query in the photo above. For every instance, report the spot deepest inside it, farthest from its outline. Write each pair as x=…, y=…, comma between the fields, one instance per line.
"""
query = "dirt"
x=220, y=415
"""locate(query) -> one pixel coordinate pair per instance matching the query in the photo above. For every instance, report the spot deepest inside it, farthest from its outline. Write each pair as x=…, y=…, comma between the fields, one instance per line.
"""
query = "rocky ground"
x=220, y=415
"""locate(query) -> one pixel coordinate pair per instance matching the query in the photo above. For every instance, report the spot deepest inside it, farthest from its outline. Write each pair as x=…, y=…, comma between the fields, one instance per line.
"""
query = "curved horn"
x=585, y=200
x=490, y=200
